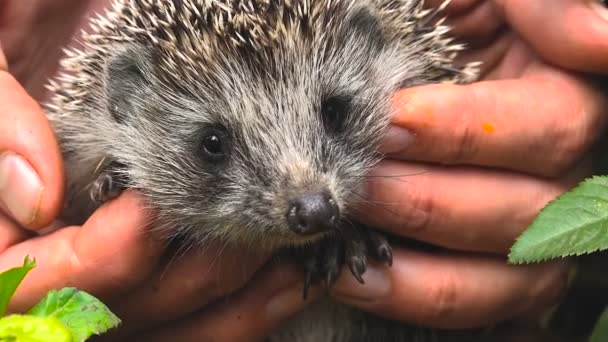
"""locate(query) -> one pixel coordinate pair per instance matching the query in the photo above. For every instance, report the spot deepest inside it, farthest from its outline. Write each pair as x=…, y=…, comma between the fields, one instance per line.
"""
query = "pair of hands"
x=482, y=160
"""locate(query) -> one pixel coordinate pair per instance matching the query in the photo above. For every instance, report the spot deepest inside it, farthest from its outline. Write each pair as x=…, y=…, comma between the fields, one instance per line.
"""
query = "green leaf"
x=20, y=328
x=575, y=223
x=600, y=331
x=10, y=280
x=83, y=314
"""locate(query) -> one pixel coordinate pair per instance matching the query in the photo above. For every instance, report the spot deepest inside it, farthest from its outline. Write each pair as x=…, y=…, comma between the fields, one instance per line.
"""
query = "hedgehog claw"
x=307, y=283
x=311, y=268
x=356, y=254
x=357, y=268
x=380, y=247
x=330, y=278
x=332, y=262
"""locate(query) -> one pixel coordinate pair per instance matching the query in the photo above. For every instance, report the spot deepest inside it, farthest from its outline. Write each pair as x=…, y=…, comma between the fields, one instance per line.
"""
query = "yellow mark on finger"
x=488, y=127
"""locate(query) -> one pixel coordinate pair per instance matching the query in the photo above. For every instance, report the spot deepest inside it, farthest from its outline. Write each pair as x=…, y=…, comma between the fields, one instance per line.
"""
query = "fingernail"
x=377, y=286
x=600, y=8
x=289, y=301
x=397, y=139
x=20, y=188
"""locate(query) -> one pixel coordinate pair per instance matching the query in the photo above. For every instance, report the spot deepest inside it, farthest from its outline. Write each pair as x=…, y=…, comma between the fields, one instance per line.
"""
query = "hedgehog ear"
x=128, y=76
x=369, y=25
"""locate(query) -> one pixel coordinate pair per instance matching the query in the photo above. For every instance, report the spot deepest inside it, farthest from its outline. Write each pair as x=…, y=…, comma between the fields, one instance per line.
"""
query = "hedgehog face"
x=263, y=144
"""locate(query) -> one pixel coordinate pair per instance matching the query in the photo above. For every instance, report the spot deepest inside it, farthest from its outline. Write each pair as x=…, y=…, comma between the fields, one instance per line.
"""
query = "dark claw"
x=307, y=283
x=332, y=262
x=380, y=247
x=356, y=256
x=386, y=254
x=311, y=267
x=357, y=268
x=100, y=187
x=330, y=278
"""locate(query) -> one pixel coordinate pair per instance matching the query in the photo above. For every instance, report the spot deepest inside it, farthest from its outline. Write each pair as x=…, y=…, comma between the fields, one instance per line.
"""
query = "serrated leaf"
x=83, y=314
x=10, y=280
x=576, y=223
x=19, y=328
x=600, y=330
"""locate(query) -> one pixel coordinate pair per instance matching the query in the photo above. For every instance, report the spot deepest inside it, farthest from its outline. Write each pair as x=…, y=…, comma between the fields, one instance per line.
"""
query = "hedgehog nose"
x=312, y=213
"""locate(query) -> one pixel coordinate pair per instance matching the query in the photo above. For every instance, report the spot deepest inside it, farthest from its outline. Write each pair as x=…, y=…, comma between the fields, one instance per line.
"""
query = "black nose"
x=312, y=213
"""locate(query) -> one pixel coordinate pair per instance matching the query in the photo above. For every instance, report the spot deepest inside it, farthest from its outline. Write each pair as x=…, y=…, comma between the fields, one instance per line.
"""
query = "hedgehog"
x=252, y=123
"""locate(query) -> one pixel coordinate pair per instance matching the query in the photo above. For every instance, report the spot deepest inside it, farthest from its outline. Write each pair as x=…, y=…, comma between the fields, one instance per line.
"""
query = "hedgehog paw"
x=107, y=186
x=324, y=260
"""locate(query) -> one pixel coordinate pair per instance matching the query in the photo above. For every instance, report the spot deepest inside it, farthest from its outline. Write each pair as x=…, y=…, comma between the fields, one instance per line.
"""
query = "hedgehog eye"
x=214, y=144
x=334, y=111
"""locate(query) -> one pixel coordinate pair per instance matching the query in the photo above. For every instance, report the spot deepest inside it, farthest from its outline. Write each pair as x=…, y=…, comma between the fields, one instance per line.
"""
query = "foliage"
x=574, y=224
x=67, y=315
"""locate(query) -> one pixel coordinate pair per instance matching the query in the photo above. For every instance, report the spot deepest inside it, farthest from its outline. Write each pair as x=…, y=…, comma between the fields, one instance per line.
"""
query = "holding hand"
x=482, y=160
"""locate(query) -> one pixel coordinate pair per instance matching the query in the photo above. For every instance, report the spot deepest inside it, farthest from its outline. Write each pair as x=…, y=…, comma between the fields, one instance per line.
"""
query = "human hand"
x=31, y=195
x=482, y=160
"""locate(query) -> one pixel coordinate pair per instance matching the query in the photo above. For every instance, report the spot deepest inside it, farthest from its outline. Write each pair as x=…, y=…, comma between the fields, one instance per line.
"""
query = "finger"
x=11, y=233
x=490, y=56
x=187, y=284
x=31, y=171
x=107, y=255
x=509, y=124
x=3, y=62
x=455, y=6
x=571, y=34
x=458, y=208
x=516, y=61
x=272, y=297
x=479, y=25
x=454, y=291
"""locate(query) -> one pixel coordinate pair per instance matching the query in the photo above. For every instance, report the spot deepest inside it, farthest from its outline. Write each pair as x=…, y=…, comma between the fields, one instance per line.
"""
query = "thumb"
x=110, y=253
x=570, y=34
x=31, y=171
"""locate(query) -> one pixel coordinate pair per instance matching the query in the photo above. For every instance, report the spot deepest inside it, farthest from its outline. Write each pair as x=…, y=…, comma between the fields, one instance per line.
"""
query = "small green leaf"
x=600, y=331
x=83, y=314
x=10, y=280
x=18, y=328
x=576, y=223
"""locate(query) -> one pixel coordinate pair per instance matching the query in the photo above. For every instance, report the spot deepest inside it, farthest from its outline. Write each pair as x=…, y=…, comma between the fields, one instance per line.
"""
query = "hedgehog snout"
x=312, y=213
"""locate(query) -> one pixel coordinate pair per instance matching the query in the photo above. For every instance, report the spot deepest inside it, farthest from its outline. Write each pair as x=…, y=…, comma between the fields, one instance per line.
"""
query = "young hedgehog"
x=250, y=122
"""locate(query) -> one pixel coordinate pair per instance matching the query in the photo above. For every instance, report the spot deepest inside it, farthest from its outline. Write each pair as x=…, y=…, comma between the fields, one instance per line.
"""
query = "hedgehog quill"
x=250, y=122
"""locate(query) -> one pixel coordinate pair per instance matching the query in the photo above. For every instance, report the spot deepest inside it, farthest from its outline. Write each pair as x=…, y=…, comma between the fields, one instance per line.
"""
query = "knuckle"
x=464, y=147
x=120, y=276
x=441, y=299
x=567, y=143
x=549, y=288
x=221, y=279
x=221, y=286
x=416, y=212
x=569, y=149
